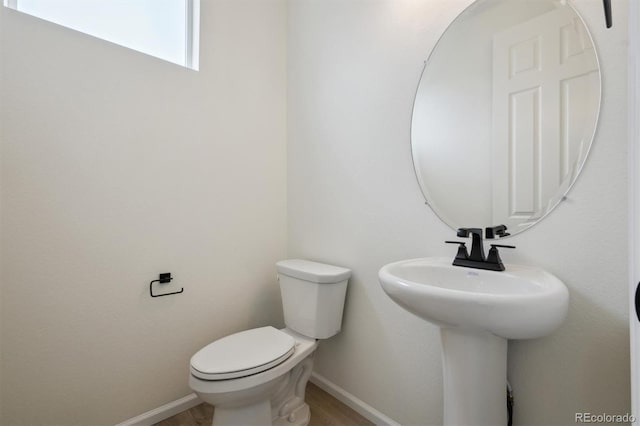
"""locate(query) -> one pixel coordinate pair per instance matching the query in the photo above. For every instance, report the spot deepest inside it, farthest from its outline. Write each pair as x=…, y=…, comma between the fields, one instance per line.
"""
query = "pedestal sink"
x=477, y=312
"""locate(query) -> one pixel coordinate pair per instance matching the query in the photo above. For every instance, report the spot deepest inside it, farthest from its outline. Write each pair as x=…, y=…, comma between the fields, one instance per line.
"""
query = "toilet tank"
x=312, y=296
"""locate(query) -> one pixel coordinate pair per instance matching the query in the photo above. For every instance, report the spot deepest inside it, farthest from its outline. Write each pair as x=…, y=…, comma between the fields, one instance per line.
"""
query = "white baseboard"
x=172, y=408
x=163, y=412
x=358, y=405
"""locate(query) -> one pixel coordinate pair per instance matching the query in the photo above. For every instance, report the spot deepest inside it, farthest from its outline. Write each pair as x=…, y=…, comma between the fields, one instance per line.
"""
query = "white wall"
x=115, y=167
x=353, y=200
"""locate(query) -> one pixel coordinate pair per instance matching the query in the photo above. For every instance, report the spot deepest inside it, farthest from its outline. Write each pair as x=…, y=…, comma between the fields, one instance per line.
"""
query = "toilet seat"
x=242, y=354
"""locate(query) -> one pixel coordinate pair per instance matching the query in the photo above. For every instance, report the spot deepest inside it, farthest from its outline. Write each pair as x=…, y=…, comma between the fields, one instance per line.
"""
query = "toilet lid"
x=242, y=354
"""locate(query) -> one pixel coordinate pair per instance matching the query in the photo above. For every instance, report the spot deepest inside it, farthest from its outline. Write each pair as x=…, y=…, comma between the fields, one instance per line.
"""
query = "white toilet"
x=258, y=376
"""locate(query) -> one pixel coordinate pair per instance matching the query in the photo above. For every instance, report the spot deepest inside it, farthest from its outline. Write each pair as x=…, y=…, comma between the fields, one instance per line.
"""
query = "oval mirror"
x=505, y=113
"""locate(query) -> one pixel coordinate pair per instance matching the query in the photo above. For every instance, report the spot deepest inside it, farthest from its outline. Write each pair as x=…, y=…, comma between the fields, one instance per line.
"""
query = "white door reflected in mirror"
x=505, y=113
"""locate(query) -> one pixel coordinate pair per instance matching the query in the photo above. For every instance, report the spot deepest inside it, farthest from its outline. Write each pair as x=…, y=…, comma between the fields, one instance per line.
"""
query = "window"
x=167, y=29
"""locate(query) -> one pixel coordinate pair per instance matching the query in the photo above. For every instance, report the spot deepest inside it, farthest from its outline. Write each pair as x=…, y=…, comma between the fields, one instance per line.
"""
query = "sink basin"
x=477, y=312
x=522, y=302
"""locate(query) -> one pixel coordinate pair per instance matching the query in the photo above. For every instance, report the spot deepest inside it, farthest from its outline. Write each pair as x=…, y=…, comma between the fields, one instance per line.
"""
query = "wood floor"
x=325, y=411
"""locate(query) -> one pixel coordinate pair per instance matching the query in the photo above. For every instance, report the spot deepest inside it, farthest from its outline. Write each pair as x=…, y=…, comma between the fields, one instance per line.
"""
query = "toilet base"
x=255, y=415
x=298, y=417
x=288, y=406
x=258, y=414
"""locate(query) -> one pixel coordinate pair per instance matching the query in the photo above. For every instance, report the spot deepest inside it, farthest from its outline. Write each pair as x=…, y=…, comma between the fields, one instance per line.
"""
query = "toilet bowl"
x=273, y=396
x=259, y=376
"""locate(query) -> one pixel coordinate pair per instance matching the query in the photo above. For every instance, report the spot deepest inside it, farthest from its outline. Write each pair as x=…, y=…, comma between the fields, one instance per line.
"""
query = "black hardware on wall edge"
x=509, y=406
x=607, y=13
x=638, y=301
x=163, y=279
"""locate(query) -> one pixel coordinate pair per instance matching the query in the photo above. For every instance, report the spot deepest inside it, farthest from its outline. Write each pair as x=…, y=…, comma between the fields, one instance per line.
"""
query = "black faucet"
x=477, y=248
x=477, y=258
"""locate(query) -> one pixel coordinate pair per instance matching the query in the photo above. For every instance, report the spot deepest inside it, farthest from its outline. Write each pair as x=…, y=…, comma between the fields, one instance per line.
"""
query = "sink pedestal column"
x=475, y=378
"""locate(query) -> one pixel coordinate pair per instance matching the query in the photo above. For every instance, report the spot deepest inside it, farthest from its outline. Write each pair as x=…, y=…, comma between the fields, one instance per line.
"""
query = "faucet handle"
x=494, y=257
x=502, y=246
x=462, y=249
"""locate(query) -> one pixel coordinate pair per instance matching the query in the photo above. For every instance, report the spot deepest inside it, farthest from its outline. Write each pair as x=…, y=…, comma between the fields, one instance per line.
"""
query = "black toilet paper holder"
x=163, y=279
